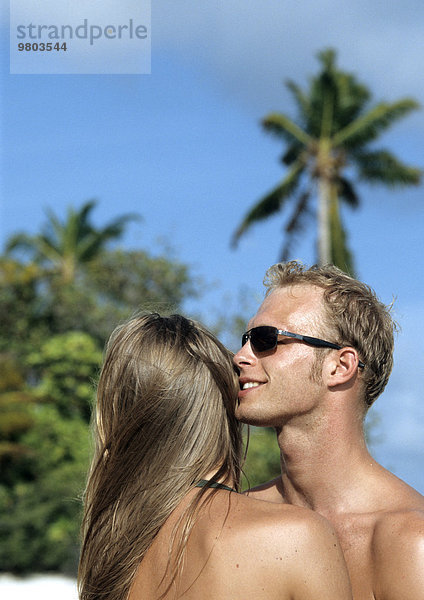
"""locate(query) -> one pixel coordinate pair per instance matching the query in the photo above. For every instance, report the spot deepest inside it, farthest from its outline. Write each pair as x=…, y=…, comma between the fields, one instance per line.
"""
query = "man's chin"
x=250, y=418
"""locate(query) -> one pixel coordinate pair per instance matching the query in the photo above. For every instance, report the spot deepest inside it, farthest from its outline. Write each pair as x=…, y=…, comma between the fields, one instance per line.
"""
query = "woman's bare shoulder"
x=276, y=541
x=242, y=547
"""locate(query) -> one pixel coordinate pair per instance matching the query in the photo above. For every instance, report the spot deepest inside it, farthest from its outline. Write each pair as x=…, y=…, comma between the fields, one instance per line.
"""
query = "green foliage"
x=67, y=365
x=228, y=321
x=35, y=303
x=22, y=307
x=135, y=280
x=263, y=458
x=40, y=513
x=330, y=136
x=56, y=312
x=44, y=456
x=63, y=246
x=15, y=420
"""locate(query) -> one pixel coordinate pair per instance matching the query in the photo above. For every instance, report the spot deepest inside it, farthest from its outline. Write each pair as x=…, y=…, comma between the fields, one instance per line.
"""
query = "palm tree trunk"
x=324, y=195
x=68, y=269
x=340, y=254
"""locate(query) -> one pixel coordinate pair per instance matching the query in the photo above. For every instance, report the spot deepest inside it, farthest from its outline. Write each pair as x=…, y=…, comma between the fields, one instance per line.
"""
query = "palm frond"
x=39, y=247
x=85, y=210
x=381, y=166
x=292, y=154
x=300, y=98
x=53, y=225
x=116, y=228
x=367, y=127
x=19, y=241
x=47, y=248
x=335, y=98
x=271, y=203
x=284, y=127
x=323, y=96
x=347, y=192
x=352, y=98
x=96, y=239
x=327, y=58
x=66, y=245
x=295, y=224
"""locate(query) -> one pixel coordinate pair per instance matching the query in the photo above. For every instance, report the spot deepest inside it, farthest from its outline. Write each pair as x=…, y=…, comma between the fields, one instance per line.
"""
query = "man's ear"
x=342, y=367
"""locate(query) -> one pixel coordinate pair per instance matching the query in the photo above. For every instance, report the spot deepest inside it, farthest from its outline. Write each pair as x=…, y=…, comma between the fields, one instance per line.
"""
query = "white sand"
x=38, y=587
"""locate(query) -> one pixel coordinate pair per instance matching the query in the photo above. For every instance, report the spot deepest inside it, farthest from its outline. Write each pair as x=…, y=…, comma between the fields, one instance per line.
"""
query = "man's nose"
x=245, y=356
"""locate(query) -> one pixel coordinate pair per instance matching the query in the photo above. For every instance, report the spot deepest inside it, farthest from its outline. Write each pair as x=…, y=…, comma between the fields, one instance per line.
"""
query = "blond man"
x=317, y=354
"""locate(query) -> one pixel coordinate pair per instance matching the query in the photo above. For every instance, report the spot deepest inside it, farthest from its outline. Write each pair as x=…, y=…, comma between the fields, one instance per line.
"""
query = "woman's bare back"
x=241, y=548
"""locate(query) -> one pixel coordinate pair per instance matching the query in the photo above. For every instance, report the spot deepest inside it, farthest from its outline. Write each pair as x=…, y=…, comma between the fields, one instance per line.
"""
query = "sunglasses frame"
x=312, y=341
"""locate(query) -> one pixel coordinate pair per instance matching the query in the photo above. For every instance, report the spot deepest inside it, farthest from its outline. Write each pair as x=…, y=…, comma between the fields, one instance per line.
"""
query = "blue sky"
x=184, y=148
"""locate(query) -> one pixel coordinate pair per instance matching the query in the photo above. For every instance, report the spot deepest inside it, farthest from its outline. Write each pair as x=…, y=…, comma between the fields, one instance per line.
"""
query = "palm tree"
x=63, y=246
x=331, y=136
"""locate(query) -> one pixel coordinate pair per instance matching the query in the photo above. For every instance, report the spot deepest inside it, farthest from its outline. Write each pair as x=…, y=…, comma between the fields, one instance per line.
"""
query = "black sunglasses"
x=265, y=338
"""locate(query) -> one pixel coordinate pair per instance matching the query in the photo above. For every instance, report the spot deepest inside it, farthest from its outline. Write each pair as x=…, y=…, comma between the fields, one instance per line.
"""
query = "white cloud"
x=252, y=47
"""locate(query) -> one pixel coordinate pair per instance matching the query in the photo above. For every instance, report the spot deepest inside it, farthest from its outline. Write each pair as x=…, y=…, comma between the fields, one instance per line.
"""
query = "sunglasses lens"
x=264, y=338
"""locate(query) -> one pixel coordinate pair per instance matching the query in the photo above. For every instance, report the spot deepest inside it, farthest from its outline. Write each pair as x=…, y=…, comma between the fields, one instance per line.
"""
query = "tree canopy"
x=52, y=332
x=63, y=246
x=330, y=139
x=53, y=329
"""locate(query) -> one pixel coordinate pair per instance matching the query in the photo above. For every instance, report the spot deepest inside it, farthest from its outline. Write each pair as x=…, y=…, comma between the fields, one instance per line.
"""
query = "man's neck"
x=325, y=465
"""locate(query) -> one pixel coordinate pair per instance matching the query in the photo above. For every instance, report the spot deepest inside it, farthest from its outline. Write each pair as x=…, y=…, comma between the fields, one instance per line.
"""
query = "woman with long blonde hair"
x=163, y=515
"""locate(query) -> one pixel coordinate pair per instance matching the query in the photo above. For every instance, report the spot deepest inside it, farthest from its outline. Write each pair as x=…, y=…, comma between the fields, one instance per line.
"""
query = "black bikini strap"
x=213, y=484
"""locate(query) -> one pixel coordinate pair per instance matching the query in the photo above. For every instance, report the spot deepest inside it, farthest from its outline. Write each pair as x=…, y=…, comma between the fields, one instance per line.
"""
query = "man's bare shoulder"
x=396, y=538
x=401, y=516
x=271, y=491
x=253, y=511
x=398, y=547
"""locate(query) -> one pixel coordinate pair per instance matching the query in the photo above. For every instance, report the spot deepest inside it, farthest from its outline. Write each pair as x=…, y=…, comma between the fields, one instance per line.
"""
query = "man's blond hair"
x=354, y=316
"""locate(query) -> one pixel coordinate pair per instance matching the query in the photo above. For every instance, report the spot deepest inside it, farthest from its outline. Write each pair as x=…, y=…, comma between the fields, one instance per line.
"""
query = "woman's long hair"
x=165, y=417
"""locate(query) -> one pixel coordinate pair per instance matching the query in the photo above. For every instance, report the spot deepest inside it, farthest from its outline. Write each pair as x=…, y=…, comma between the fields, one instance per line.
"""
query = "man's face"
x=283, y=385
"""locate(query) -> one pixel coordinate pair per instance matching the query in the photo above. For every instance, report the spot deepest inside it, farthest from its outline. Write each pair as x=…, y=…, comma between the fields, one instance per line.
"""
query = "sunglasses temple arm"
x=319, y=343
x=324, y=344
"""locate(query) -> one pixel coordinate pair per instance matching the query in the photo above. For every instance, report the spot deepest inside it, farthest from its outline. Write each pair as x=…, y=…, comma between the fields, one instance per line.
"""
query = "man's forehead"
x=295, y=304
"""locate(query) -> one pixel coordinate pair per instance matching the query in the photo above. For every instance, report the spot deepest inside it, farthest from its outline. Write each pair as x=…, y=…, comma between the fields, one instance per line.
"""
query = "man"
x=318, y=353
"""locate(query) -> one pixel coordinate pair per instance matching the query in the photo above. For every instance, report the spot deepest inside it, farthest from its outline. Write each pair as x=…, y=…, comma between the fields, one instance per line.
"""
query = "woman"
x=163, y=516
